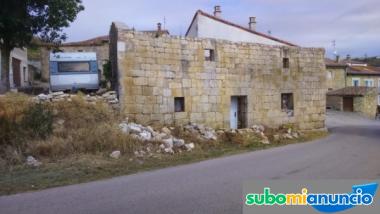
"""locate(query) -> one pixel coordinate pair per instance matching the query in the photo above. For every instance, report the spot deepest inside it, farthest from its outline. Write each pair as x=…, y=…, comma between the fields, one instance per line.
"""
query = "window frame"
x=329, y=74
x=369, y=80
x=73, y=62
x=289, y=110
x=285, y=63
x=353, y=81
x=211, y=52
x=181, y=101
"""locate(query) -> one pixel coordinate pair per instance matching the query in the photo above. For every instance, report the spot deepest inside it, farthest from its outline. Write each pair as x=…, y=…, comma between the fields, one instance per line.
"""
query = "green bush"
x=38, y=121
x=107, y=71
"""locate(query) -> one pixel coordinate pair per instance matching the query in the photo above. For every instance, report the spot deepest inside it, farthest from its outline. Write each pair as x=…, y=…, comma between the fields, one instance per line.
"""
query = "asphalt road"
x=215, y=186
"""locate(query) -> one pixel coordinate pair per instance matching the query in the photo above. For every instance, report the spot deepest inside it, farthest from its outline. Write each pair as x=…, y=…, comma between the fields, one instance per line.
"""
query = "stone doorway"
x=238, y=112
x=16, y=72
x=348, y=104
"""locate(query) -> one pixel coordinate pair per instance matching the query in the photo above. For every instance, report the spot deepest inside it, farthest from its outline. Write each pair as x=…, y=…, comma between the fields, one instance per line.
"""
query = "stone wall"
x=102, y=54
x=334, y=102
x=367, y=105
x=336, y=78
x=362, y=78
x=151, y=72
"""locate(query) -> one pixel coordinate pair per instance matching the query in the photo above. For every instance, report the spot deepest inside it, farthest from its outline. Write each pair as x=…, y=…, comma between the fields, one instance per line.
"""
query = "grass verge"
x=79, y=168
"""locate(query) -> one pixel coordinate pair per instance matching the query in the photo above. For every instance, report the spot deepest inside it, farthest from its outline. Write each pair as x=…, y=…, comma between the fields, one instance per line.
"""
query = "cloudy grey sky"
x=355, y=25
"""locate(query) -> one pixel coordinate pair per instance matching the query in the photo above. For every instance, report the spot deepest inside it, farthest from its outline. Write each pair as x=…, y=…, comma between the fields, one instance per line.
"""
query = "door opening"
x=348, y=104
x=238, y=112
x=16, y=72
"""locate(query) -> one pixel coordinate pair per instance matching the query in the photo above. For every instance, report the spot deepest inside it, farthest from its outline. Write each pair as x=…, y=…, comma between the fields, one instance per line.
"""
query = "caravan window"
x=73, y=66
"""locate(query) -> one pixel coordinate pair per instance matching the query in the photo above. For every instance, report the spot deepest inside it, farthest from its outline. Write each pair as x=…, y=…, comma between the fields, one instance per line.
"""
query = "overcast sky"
x=355, y=25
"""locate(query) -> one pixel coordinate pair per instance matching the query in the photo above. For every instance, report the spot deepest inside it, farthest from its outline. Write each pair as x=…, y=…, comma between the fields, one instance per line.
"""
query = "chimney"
x=252, y=23
x=217, y=11
x=348, y=57
x=159, y=27
x=159, y=32
x=337, y=58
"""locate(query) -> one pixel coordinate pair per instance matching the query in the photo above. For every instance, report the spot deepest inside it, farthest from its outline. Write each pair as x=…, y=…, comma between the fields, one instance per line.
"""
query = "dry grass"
x=69, y=128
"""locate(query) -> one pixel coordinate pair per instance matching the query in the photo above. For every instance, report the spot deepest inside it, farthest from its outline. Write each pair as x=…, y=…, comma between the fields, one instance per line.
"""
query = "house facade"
x=205, y=25
x=347, y=80
x=223, y=84
x=18, y=68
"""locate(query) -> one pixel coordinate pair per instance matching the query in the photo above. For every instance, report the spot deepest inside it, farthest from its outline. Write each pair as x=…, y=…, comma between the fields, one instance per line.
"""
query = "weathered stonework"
x=151, y=72
x=367, y=104
x=336, y=78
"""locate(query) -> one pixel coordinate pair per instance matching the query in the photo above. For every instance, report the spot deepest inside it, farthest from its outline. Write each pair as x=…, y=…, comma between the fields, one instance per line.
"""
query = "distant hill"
x=374, y=61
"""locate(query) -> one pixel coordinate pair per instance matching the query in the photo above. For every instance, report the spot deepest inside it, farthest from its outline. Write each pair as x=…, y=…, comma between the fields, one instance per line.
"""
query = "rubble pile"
x=31, y=161
x=290, y=134
x=260, y=129
x=169, y=143
x=203, y=132
x=109, y=97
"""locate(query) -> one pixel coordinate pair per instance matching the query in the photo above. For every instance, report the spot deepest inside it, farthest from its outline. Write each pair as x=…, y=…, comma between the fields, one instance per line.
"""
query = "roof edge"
x=238, y=26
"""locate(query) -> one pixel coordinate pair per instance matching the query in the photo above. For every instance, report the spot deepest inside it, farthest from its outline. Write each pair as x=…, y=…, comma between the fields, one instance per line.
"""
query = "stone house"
x=18, y=68
x=355, y=99
x=336, y=74
x=205, y=25
x=342, y=75
x=219, y=83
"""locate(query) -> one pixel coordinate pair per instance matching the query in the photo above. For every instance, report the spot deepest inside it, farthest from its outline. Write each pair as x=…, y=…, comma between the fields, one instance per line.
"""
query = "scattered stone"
x=115, y=154
x=295, y=135
x=60, y=122
x=258, y=128
x=166, y=131
x=168, y=143
x=265, y=140
x=31, y=161
x=43, y=97
x=169, y=150
x=145, y=135
x=124, y=128
x=288, y=136
x=150, y=129
x=178, y=142
x=134, y=128
x=138, y=154
x=205, y=133
x=276, y=137
x=109, y=97
x=162, y=146
x=58, y=93
x=189, y=146
x=220, y=132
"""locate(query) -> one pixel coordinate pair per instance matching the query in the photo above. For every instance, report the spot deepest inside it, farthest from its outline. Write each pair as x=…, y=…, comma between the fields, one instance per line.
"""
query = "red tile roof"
x=352, y=91
x=238, y=26
x=363, y=70
x=334, y=63
x=100, y=40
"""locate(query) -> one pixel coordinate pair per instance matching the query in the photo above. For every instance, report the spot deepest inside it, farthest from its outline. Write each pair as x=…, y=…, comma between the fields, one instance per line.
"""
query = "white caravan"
x=73, y=71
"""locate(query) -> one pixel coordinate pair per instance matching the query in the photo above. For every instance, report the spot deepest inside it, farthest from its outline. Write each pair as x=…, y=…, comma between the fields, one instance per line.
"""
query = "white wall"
x=206, y=27
x=22, y=55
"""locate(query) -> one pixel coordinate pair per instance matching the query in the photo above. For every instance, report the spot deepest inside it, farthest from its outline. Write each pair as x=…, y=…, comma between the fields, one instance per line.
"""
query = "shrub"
x=12, y=108
x=38, y=121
